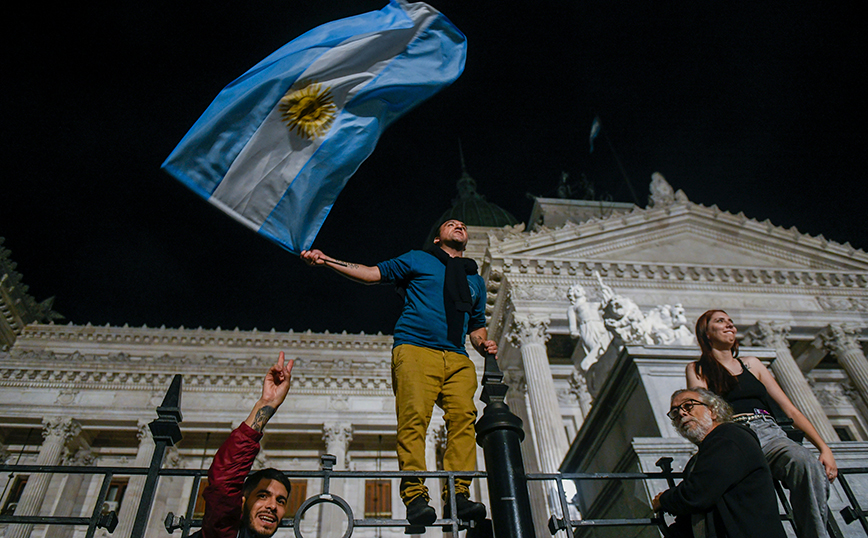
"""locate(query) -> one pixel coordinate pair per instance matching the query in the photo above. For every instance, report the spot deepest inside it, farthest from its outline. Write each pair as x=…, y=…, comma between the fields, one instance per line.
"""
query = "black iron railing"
x=186, y=522
x=499, y=433
x=851, y=513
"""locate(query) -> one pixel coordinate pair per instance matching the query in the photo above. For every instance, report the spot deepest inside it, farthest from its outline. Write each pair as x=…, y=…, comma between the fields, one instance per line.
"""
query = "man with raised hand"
x=728, y=488
x=444, y=301
x=238, y=505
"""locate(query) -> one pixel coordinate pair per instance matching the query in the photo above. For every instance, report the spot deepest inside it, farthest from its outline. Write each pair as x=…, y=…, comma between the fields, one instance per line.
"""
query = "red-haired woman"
x=754, y=394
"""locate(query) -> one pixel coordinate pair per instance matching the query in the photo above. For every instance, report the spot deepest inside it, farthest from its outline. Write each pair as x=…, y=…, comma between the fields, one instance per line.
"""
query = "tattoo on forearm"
x=344, y=264
x=262, y=416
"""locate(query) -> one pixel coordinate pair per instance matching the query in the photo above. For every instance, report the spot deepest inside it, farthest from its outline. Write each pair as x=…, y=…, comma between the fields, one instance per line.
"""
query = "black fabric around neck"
x=456, y=291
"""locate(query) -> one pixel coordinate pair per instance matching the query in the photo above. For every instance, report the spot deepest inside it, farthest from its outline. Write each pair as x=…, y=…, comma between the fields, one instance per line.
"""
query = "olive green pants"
x=422, y=377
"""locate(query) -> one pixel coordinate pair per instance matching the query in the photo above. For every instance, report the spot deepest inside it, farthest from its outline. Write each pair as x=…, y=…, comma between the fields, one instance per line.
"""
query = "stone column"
x=73, y=492
x=789, y=376
x=337, y=437
x=136, y=484
x=529, y=334
x=841, y=339
x=172, y=493
x=57, y=432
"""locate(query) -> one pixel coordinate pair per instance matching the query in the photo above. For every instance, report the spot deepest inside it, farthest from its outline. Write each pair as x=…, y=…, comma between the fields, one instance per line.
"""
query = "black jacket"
x=730, y=479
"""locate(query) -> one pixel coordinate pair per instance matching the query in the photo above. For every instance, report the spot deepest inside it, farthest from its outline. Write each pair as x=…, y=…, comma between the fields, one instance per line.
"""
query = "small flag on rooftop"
x=595, y=130
x=278, y=144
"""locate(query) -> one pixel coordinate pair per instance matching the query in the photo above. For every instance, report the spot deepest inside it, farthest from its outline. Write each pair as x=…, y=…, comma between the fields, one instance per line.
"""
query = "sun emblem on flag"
x=308, y=110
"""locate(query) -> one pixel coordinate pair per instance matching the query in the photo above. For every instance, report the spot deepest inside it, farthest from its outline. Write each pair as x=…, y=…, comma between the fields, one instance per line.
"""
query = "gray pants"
x=801, y=473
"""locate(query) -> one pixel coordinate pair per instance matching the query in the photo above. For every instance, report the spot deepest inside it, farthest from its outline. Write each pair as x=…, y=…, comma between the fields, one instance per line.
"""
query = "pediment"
x=691, y=246
x=683, y=233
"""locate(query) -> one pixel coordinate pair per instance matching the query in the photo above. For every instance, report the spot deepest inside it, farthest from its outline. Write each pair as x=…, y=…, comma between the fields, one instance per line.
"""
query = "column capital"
x=529, y=329
x=79, y=458
x=143, y=431
x=841, y=337
x=173, y=458
x=769, y=334
x=340, y=433
x=578, y=382
x=62, y=428
x=437, y=436
x=515, y=379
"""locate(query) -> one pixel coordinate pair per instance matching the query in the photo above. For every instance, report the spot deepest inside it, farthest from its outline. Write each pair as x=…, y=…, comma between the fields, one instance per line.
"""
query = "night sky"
x=755, y=107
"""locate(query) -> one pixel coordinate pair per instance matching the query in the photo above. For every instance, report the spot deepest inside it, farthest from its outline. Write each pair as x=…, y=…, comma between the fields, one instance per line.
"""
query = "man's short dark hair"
x=444, y=221
x=270, y=473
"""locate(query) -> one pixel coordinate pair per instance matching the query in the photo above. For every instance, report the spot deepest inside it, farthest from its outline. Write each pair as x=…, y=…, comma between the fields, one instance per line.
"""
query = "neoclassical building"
x=800, y=302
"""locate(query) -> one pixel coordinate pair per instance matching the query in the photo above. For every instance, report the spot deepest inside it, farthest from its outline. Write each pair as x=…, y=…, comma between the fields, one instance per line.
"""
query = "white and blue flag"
x=595, y=130
x=278, y=144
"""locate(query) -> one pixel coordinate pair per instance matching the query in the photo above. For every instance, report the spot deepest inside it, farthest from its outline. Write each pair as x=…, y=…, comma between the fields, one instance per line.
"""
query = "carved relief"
x=533, y=292
x=66, y=397
x=847, y=304
x=621, y=316
x=339, y=402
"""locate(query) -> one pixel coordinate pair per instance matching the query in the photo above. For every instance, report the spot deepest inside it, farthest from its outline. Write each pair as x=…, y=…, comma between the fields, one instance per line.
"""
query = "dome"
x=472, y=209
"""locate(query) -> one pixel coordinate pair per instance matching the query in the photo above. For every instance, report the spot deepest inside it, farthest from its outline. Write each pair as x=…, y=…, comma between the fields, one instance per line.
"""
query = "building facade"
x=73, y=394
x=801, y=302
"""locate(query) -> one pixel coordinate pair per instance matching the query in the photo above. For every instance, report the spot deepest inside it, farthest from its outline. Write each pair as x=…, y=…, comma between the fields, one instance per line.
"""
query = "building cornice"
x=526, y=269
x=45, y=369
x=41, y=336
x=598, y=235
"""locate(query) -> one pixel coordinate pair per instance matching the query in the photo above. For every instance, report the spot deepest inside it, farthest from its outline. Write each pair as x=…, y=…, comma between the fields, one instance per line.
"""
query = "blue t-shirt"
x=423, y=318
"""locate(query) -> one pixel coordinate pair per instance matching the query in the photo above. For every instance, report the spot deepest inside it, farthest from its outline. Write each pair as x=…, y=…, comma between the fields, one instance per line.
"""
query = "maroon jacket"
x=226, y=476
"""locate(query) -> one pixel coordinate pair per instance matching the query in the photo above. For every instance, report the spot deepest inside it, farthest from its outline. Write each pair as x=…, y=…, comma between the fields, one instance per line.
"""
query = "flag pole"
x=617, y=160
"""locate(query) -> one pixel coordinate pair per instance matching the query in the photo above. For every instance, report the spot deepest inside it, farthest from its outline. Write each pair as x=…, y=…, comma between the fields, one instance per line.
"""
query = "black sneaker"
x=419, y=513
x=467, y=509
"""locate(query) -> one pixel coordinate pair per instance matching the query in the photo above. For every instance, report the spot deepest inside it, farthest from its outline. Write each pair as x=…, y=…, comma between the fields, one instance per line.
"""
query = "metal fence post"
x=499, y=433
x=166, y=433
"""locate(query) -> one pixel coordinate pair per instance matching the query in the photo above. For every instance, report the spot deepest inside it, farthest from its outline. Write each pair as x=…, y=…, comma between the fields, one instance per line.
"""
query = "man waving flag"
x=278, y=144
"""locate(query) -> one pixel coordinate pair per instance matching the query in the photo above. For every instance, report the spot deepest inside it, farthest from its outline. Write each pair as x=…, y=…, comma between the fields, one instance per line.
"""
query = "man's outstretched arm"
x=354, y=271
x=274, y=390
x=234, y=459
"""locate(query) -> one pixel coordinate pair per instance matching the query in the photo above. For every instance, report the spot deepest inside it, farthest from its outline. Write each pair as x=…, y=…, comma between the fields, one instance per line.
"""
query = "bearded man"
x=444, y=302
x=728, y=483
x=238, y=505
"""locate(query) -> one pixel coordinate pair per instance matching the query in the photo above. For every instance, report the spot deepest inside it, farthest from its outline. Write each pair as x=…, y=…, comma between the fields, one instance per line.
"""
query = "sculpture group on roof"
x=596, y=325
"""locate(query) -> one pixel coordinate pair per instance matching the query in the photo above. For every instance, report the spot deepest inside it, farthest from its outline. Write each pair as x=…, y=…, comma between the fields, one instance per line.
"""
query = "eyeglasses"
x=687, y=406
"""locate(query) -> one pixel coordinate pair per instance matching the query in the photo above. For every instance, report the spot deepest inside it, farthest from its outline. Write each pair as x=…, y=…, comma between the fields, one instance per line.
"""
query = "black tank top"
x=749, y=394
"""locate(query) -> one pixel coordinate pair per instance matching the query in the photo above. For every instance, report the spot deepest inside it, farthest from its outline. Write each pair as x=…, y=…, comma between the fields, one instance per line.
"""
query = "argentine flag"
x=278, y=144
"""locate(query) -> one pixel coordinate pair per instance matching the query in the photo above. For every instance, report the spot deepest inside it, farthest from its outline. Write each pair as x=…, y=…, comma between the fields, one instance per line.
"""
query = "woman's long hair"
x=717, y=377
